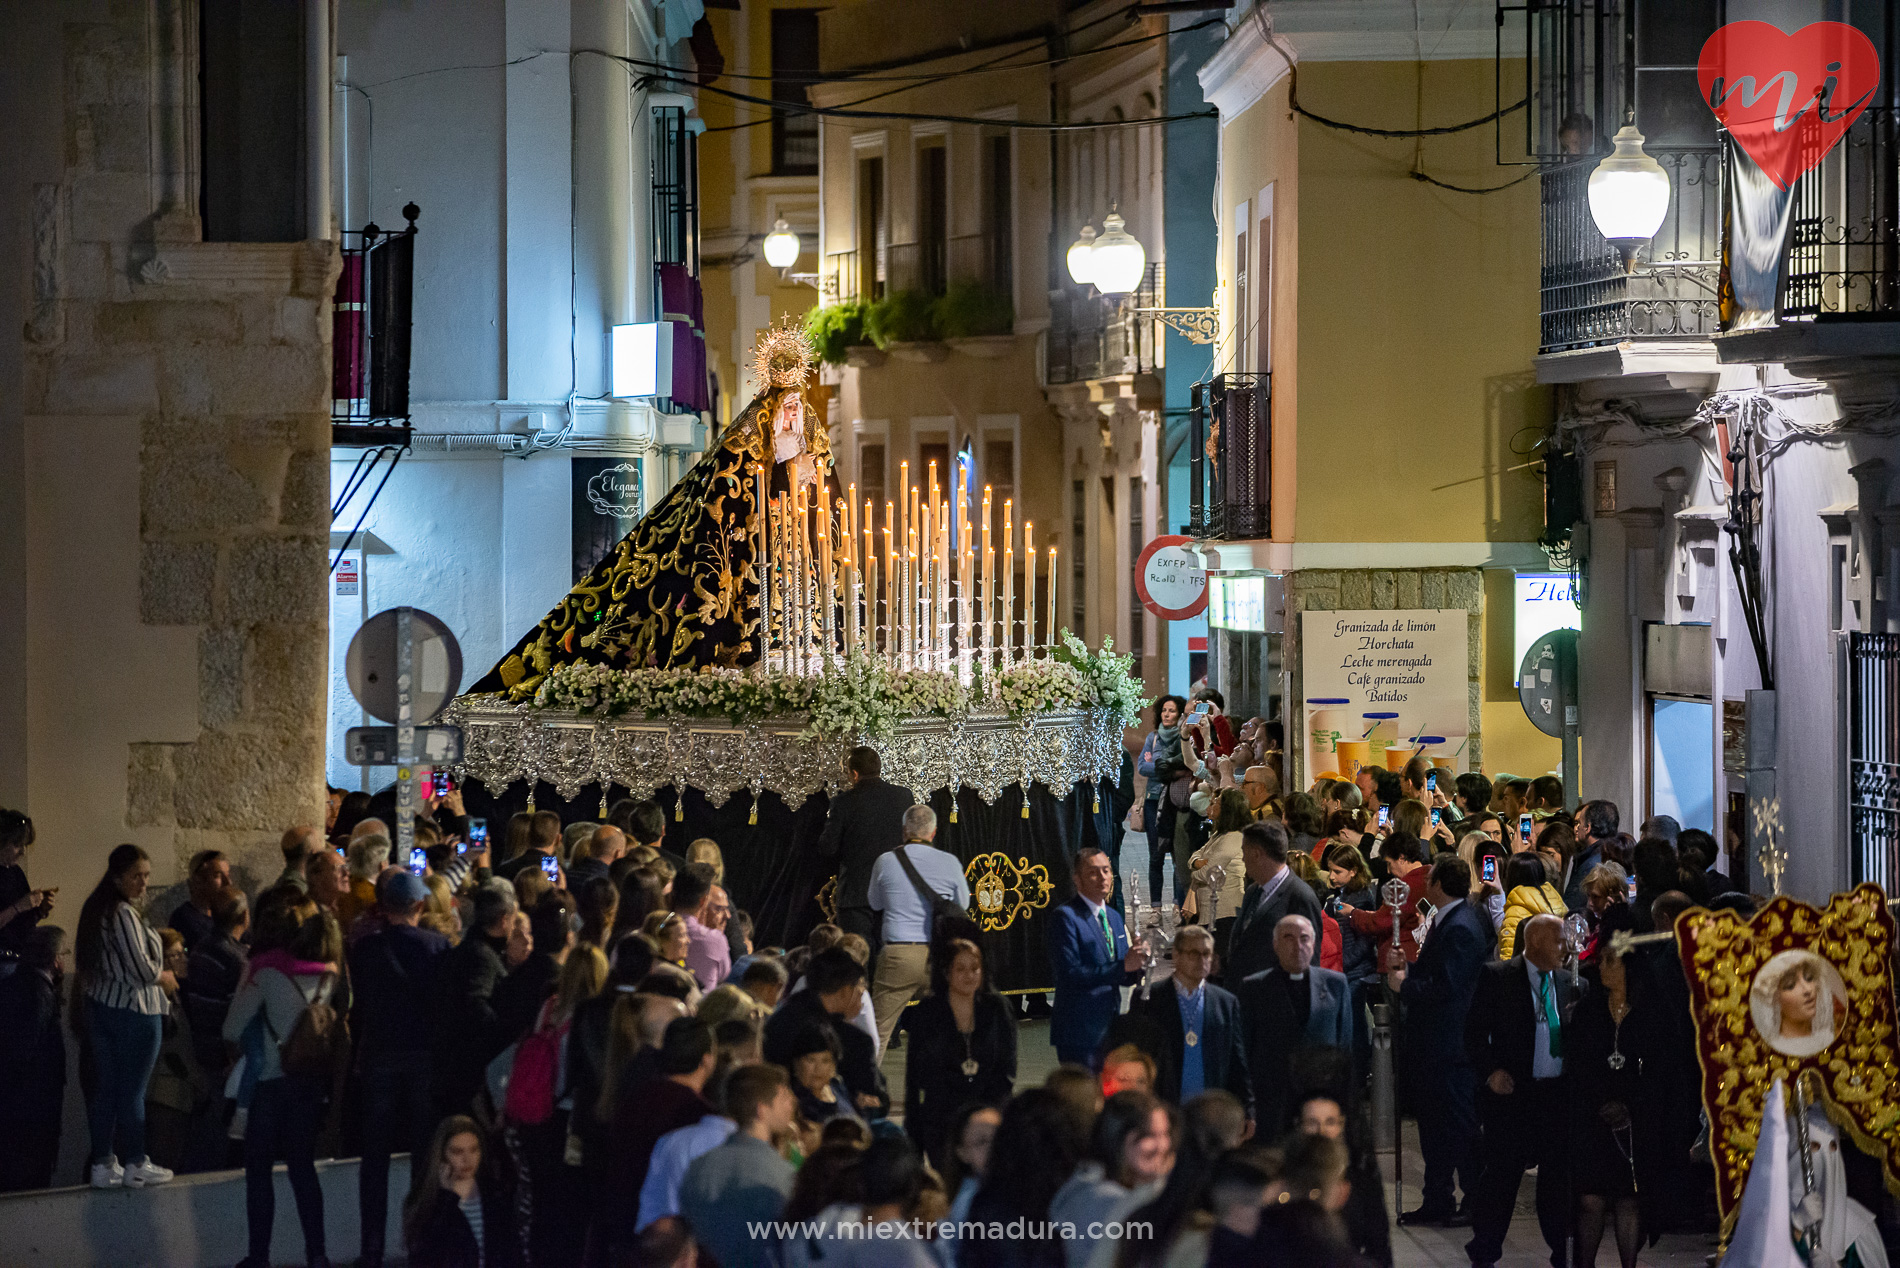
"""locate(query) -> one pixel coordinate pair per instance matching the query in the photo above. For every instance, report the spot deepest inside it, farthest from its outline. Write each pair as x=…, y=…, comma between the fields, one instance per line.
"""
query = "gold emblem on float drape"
x=1002, y=890
x=828, y=899
x=1797, y=992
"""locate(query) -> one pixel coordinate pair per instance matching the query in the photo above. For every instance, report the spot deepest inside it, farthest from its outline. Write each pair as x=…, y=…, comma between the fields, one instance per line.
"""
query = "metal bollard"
x=1384, y=1119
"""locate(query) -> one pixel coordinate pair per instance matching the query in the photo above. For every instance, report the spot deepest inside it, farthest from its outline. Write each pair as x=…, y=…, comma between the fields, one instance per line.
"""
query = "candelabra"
x=946, y=606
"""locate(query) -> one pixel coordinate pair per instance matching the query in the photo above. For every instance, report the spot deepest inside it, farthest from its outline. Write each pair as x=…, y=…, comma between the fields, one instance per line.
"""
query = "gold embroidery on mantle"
x=1857, y=1072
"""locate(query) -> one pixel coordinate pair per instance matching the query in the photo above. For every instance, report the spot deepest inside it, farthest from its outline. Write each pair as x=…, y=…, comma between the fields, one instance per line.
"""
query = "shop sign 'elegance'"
x=1787, y=99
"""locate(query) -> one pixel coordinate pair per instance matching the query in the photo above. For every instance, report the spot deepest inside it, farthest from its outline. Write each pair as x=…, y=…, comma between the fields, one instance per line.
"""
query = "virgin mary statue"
x=681, y=590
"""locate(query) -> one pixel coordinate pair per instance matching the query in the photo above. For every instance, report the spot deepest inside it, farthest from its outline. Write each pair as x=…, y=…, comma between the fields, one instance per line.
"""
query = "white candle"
x=1052, y=596
x=1029, y=587
x=1009, y=585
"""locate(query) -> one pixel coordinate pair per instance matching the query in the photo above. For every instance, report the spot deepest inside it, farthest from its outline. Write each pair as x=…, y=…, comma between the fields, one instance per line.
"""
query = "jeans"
x=286, y=1114
x=124, y=1050
x=1158, y=817
x=398, y=1115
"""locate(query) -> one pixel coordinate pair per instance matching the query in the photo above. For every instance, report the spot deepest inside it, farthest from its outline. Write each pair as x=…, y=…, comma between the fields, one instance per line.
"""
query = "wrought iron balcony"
x=1230, y=462
x=930, y=267
x=1092, y=336
x=1587, y=297
x=1844, y=242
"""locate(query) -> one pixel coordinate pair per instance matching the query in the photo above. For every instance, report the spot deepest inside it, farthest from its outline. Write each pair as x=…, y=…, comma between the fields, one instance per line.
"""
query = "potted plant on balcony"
x=904, y=324
x=836, y=332
x=977, y=319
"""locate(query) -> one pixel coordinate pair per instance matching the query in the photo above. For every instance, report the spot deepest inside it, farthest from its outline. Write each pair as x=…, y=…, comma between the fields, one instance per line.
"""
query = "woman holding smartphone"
x=1160, y=764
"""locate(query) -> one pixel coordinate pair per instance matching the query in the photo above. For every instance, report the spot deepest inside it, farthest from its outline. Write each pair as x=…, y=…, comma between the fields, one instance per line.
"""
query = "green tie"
x=1553, y=1024
x=1108, y=935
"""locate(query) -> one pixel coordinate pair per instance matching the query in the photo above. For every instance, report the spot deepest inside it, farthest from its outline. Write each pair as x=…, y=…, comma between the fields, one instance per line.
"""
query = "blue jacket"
x=1439, y=986
x=1088, y=979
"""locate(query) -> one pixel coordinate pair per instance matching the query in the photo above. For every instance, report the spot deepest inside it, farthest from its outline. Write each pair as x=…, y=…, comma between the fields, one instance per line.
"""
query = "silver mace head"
x=1395, y=892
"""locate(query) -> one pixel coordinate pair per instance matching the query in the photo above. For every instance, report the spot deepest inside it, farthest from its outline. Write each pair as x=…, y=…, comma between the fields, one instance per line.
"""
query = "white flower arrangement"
x=859, y=696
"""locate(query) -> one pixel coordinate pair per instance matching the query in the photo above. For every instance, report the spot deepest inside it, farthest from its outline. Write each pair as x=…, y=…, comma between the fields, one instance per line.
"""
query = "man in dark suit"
x=1436, y=996
x=1273, y=893
x=866, y=820
x=1289, y=1008
x=1190, y=1027
x=1091, y=960
x=1514, y=1040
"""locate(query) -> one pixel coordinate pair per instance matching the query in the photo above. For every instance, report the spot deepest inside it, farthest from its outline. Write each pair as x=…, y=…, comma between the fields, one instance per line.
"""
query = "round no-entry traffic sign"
x=1170, y=580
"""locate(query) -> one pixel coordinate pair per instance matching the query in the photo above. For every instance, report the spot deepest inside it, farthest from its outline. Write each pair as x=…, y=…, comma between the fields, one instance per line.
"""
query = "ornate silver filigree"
x=986, y=751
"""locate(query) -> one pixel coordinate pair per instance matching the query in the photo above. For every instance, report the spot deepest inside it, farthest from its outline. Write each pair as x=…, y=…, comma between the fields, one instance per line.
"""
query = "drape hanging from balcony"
x=683, y=303
x=1757, y=212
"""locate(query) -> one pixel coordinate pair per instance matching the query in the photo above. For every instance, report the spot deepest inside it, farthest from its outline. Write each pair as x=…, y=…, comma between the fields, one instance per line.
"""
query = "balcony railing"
x=930, y=267
x=1230, y=464
x=1844, y=242
x=1091, y=336
x=1587, y=297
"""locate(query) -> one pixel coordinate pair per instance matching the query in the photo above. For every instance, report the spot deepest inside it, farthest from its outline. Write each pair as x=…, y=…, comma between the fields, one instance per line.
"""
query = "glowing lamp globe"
x=1629, y=196
x=1081, y=257
x=1118, y=260
x=781, y=246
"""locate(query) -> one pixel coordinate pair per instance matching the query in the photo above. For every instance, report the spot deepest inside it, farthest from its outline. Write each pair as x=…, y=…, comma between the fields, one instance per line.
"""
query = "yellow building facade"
x=1394, y=317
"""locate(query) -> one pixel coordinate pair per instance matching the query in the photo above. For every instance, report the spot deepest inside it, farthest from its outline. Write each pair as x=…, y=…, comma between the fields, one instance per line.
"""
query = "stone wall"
x=199, y=372
x=1381, y=589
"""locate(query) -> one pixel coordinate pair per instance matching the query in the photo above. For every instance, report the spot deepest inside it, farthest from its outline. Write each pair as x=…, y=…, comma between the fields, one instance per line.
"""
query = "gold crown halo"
x=783, y=357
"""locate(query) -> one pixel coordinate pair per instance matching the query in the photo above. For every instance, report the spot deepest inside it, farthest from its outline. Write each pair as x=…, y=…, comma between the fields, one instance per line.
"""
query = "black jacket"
x=32, y=1048
x=1501, y=1030
x=858, y=1067
x=394, y=972
x=519, y=998
x=1438, y=986
x=864, y=822
x=1250, y=942
x=467, y=1032
x=1154, y=1025
x=1275, y=1034
x=439, y=1235
x=935, y=1086
x=211, y=981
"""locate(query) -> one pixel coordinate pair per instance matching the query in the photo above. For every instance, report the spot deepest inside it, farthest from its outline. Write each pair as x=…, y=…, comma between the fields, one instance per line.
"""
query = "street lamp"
x=781, y=246
x=1629, y=196
x=1117, y=262
x=1081, y=257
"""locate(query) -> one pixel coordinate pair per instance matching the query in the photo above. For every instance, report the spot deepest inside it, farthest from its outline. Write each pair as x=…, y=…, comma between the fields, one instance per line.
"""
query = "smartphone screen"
x=418, y=860
x=552, y=866
x=1431, y=781
x=1491, y=869
x=440, y=784
x=1632, y=889
x=1385, y=816
x=1524, y=829
x=477, y=834
x=1438, y=816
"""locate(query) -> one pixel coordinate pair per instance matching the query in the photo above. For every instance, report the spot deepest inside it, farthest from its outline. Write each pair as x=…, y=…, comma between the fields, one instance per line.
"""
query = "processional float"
x=760, y=621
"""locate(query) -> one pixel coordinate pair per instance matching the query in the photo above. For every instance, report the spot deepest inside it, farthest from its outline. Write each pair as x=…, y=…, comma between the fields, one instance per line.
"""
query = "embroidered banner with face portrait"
x=1802, y=993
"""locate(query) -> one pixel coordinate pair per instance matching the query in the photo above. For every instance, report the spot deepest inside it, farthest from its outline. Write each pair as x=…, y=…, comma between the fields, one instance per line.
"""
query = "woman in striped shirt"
x=124, y=985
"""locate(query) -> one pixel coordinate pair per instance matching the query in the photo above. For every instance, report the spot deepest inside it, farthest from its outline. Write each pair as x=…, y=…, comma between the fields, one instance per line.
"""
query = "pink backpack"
x=536, y=1075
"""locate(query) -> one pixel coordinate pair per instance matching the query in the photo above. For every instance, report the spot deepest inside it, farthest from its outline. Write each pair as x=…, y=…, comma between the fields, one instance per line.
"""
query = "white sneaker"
x=108, y=1174
x=145, y=1172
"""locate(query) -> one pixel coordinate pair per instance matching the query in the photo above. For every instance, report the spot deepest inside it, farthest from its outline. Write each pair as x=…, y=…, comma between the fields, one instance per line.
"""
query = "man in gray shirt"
x=903, y=961
x=730, y=1192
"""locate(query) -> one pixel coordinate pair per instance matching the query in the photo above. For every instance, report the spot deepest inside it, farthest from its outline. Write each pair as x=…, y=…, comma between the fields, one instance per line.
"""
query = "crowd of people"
x=1522, y=1036
x=587, y=1061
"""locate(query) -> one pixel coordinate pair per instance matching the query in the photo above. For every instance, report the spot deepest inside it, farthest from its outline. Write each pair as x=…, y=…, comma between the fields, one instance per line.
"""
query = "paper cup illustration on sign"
x=1798, y=1001
x=1324, y=721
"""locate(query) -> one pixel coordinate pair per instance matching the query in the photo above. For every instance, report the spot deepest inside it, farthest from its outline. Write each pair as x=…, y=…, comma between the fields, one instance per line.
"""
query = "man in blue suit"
x=1436, y=997
x=1294, y=1007
x=1092, y=960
